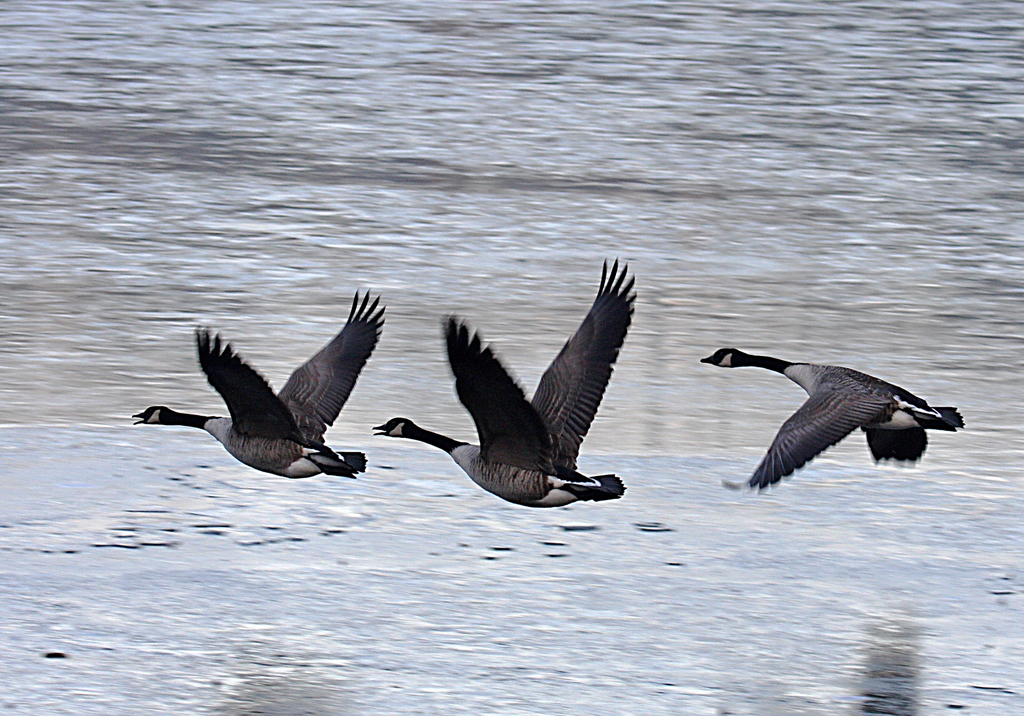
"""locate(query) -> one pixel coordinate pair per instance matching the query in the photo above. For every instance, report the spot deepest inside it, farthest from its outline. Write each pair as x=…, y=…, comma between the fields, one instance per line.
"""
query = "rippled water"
x=824, y=182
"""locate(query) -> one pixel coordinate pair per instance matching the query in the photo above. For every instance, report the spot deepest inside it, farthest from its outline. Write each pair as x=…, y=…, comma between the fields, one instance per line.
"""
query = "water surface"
x=826, y=182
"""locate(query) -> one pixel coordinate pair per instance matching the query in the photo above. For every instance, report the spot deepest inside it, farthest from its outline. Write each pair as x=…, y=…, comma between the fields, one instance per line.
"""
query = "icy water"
x=828, y=182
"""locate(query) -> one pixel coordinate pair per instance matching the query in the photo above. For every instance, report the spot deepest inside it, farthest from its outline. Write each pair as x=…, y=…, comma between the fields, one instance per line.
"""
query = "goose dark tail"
x=950, y=420
x=611, y=488
x=356, y=459
x=952, y=416
x=344, y=464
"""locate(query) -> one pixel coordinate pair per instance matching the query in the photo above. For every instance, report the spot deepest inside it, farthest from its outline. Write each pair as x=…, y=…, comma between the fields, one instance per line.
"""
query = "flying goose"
x=527, y=453
x=840, y=401
x=283, y=434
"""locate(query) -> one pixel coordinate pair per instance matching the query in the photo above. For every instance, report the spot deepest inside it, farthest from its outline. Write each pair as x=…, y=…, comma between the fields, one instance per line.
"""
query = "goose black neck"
x=173, y=417
x=744, y=359
x=425, y=436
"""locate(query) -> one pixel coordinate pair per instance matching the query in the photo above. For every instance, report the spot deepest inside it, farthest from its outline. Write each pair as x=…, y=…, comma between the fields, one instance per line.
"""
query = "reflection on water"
x=891, y=671
x=822, y=182
x=291, y=691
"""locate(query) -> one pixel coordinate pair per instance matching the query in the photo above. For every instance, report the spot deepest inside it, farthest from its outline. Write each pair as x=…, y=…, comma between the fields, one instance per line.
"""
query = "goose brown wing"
x=511, y=432
x=827, y=417
x=572, y=387
x=317, y=390
x=255, y=410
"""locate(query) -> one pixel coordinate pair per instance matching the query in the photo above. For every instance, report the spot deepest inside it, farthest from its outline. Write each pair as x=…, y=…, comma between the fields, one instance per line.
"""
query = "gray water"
x=829, y=182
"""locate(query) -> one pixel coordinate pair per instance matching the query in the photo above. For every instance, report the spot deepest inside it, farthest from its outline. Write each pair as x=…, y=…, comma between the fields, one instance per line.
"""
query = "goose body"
x=283, y=433
x=528, y=449
x=840, y=401
x=525, y=487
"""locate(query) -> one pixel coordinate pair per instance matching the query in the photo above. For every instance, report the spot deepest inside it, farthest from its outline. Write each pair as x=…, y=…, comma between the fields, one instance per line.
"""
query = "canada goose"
x=840, y=400
x=527, y=453
x=283, y=433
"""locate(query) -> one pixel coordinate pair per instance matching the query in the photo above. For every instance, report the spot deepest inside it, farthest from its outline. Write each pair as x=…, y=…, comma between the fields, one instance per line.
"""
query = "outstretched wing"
x=510, y=430
x=255, y=410
x=572, y=387
x=827, y=417
x=316, y=392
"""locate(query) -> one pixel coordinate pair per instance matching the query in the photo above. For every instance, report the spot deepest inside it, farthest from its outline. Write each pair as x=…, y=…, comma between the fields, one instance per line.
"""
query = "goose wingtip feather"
x=367, y=312
x=613, y=283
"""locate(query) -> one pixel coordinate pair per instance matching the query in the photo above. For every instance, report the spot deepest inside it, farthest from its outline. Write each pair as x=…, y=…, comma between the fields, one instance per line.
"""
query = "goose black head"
x=722, y=357
x=395, y=428
x=150, y=415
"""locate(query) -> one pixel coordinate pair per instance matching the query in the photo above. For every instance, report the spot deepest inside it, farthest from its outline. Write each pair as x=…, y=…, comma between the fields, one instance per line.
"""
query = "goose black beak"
x=382, y=430
x=706, y=360
x=138, y=422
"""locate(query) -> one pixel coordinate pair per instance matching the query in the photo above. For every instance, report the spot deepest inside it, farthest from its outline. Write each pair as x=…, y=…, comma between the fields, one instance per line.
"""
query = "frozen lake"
x=820, y=182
